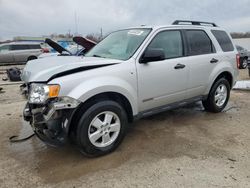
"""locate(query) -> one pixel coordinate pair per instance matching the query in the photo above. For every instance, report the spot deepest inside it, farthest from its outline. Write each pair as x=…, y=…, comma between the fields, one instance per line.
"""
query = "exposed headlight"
x=39, y=93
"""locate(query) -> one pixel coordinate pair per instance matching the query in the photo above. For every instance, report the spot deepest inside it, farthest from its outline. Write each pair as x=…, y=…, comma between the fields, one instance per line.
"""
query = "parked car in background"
x=248, y=68
x=19, y=52
x=244, y=56
x=83, y=45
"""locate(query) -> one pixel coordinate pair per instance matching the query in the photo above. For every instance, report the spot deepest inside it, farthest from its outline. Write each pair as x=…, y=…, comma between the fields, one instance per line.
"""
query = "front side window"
x=4, y=48
x=120, y=44
x=170, y=42
x=198, y=42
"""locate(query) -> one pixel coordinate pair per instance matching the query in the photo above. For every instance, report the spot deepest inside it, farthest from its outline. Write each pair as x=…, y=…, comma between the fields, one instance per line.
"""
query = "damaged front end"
x=50, y=118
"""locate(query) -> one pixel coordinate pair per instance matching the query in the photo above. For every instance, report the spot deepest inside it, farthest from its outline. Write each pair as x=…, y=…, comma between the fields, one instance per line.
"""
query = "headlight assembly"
x=39, y=93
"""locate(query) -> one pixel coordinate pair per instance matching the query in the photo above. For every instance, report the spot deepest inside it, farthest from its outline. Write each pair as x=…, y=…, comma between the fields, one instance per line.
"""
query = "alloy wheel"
x=104, y=129
x=220, y=95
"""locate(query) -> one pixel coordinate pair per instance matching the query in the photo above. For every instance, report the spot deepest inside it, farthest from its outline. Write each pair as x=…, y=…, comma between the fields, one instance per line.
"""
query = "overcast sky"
x=42, y=17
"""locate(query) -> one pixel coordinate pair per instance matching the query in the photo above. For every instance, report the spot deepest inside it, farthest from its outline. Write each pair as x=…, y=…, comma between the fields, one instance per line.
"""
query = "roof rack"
x=188, y=22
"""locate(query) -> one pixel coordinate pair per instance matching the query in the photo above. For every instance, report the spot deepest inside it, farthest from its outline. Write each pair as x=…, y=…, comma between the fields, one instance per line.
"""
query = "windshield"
x=120, y=44
x=74, y=49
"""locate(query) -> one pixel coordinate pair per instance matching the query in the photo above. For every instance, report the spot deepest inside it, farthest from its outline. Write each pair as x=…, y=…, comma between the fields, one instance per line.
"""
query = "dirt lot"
x=187, y=147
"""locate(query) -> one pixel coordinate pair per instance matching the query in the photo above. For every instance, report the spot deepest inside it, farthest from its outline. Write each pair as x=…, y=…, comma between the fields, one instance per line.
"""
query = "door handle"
x=179, y=66
x=214, y=60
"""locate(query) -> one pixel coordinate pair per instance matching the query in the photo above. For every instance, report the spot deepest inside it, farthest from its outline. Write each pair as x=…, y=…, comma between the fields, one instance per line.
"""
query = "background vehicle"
x=244, y=56
x=82, y=46
x=132, y=73
x=248, y=68
x=19, y=52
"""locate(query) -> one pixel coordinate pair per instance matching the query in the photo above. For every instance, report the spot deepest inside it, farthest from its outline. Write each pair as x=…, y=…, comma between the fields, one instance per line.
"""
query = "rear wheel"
x=244, y=63
x=31, y=58
x=101, y=128
x=218, y=96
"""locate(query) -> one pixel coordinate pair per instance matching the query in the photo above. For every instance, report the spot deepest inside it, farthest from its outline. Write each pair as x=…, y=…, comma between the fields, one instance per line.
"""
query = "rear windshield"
x=224, y=40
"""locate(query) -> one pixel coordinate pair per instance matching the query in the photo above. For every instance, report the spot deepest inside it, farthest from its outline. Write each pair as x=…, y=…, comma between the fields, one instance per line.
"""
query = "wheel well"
x=31, y=58
x=228, y=76
x=117, y=97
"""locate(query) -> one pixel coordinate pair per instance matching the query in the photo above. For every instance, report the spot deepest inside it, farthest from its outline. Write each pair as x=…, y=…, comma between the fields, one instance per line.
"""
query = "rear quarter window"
x=34, y=46
x=199, y=43
x=224, y=40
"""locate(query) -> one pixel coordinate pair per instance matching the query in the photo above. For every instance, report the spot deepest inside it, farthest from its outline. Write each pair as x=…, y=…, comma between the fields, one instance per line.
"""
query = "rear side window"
x=199, y=43
x=34, y=46
x=224, y=40
x=19, y=47
x=170, y=42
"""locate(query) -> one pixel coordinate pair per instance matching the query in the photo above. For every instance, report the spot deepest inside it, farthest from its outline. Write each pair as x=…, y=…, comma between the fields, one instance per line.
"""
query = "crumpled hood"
x=41, y=70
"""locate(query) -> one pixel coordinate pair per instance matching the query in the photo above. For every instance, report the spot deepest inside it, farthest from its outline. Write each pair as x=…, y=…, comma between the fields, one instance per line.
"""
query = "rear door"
x=34, y=49
x=21, y=52
x=201, y=60
x=163, y=82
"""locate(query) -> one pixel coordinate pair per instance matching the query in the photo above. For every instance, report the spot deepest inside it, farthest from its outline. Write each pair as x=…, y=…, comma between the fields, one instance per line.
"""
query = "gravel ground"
x=186, y=147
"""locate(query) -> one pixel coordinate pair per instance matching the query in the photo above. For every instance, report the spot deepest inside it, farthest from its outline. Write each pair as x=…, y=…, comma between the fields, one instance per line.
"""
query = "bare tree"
x=240, y=35
x=94, y=37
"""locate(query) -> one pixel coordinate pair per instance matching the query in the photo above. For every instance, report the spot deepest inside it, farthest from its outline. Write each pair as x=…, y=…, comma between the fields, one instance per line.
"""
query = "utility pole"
x=101, y=33
x=76, y=32
x=69, y=33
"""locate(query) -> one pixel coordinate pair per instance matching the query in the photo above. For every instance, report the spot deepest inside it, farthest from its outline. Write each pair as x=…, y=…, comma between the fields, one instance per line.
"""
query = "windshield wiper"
x=98, y=56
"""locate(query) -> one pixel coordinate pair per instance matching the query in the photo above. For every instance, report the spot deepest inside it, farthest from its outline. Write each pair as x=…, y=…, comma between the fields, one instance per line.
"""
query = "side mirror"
x=152, y=54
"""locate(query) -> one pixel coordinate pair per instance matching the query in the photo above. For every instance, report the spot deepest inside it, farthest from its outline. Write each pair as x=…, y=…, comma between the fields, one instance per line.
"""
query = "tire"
x=106, y=140
x=213, y=105
x=31, y=58
x=243, y=64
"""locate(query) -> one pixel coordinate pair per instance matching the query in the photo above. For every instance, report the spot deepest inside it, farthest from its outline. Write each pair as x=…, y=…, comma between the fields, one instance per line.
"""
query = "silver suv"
x=131, y=74
x=19, y=52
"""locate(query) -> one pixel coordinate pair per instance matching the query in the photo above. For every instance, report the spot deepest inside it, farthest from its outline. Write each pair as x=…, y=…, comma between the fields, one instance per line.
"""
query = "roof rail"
x=188, y=22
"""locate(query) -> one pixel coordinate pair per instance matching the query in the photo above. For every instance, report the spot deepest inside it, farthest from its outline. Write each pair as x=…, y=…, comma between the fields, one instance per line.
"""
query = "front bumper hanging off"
x=50, y=122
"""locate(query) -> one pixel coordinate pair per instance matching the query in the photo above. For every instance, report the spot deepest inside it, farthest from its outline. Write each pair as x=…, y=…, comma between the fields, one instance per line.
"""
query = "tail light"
x=45, y=50
x=238, y=60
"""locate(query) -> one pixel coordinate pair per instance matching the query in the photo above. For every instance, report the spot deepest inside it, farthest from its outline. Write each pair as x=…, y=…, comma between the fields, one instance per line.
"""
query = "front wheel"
x=218, y=96
x=101, y=128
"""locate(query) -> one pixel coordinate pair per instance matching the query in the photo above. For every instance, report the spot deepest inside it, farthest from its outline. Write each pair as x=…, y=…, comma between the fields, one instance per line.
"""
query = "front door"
x=163, y=82
x=5, y=55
